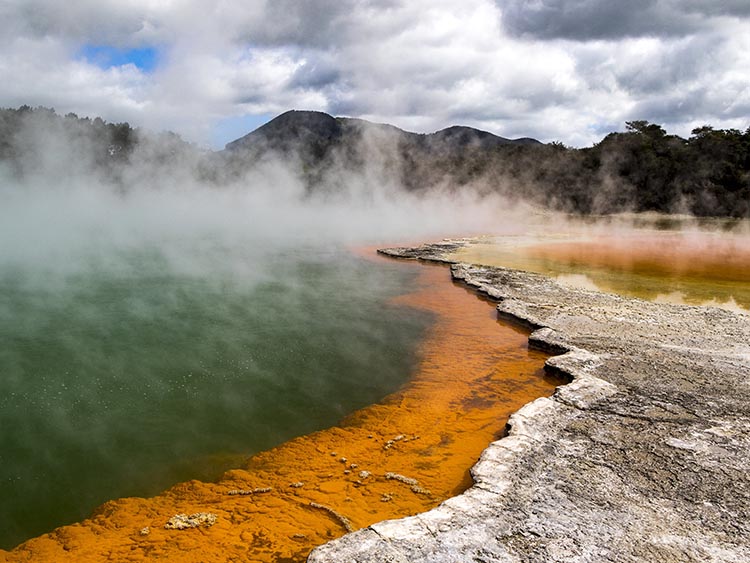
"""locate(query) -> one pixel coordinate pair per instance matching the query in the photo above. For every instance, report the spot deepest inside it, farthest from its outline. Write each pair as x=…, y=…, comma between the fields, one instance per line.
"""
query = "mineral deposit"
x=644, y=456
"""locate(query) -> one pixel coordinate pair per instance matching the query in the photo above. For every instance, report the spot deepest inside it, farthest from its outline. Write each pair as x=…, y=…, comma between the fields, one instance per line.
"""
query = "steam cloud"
x=66, y=221
x=66, y=217
x=64, y=213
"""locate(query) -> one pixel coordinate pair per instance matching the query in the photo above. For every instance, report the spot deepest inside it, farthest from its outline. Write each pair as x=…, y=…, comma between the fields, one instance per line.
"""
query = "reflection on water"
x=580, y=281
x=125, y=377
x=400, y=456
x=679, y=298
x=677, y=261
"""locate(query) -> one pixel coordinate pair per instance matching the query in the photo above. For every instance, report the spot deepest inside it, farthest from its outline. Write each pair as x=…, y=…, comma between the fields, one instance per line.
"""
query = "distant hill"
x=460, y=137
x=329, y=149
x=641, y=169
x=38, y=141
x=289, y=130
x=294, y=129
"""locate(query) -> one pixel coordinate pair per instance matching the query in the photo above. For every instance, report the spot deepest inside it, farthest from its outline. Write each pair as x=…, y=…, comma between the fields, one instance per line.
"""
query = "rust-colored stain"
x=399, y=457
x=714, y=259
x=695, y=267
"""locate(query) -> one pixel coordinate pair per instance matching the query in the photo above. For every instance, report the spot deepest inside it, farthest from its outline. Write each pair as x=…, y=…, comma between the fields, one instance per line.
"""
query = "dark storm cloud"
x=657, y=67
x=300, y=23
x=677, y=107
x=312, y=23
x=86, y=20
x=583, y=20
x=737, y=8
x=317, y=72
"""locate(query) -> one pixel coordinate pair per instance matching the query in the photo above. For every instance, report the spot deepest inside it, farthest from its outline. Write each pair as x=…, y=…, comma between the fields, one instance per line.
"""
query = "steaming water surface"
x=126, y=374
x=688, y=261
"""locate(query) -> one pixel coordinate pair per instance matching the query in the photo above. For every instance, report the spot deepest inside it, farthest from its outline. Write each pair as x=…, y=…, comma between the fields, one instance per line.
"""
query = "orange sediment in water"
x=715, y=259
x=399, y=457
x=683, y=267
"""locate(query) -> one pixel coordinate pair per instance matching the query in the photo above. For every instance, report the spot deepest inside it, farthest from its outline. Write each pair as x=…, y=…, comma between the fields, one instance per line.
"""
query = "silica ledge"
x=643, y=456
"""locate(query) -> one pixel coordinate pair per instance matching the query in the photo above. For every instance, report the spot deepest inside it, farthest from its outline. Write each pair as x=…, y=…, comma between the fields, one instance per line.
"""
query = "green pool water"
x=135, y=369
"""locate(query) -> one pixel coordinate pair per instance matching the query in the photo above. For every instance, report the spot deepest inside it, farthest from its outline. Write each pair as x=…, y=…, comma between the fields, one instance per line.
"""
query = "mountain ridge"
x=643, y=168
x=317, y=126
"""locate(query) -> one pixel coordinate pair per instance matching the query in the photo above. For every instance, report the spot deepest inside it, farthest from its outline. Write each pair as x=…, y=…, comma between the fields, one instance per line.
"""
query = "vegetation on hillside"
x=641, y=169
x=37, y=142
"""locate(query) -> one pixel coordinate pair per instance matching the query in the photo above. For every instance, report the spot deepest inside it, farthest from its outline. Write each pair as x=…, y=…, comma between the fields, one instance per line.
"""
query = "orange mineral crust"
x=399, y=457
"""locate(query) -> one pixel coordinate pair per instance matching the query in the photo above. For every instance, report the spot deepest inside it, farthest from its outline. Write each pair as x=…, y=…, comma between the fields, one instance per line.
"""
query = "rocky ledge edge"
x=644, y=456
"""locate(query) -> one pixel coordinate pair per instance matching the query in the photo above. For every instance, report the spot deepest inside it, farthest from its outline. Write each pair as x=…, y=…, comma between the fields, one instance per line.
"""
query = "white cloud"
x=420, y=65
x=44, y=71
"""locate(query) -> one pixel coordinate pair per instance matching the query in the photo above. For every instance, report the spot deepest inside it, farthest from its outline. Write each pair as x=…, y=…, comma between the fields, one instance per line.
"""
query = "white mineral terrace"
x=643, y=457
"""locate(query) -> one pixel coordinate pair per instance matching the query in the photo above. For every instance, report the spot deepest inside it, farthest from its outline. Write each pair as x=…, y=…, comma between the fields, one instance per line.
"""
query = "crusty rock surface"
x=644, y=456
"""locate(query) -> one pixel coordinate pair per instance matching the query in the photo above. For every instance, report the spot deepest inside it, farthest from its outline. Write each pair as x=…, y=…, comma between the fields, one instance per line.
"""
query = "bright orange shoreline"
x=473, y=373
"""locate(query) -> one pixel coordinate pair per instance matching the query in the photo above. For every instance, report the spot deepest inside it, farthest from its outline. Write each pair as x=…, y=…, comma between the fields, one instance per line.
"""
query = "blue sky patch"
x=104, y=56
x=232, y=128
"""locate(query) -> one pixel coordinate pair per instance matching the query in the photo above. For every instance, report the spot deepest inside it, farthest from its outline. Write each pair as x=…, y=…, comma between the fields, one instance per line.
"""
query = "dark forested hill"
x=326, y=147
x=39, y=142
x=294, y=129
x=641, y=169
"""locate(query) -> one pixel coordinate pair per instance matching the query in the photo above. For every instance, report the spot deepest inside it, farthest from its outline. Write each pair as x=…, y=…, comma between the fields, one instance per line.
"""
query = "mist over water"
x=166, y=332
x=155, y=327
x=122, y=385
x=673, y=259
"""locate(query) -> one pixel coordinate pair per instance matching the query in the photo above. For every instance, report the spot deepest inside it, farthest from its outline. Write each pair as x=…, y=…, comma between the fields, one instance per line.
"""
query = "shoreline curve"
x=400, y=456
x=641, y=457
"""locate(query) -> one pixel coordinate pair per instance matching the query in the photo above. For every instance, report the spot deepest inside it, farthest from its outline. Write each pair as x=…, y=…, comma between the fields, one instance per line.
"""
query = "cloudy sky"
x=566, y=70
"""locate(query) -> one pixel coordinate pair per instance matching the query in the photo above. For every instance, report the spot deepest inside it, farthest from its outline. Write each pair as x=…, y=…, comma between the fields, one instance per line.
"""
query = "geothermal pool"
x=129, y=371
x=126, y=376
x=401, y=455
x=674, y=260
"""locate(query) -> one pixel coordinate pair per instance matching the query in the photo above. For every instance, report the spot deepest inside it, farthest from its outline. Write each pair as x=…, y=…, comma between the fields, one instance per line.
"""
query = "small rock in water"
x=183, y=521
x=396, y=477
x=246, y=492
x=389, y=444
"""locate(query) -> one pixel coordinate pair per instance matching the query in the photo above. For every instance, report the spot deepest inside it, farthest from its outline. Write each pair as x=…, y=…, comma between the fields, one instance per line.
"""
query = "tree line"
x=641, y=169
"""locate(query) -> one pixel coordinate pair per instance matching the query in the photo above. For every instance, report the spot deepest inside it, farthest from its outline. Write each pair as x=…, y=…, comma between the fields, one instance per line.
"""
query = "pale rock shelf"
x=644, y=456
